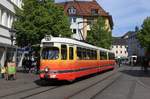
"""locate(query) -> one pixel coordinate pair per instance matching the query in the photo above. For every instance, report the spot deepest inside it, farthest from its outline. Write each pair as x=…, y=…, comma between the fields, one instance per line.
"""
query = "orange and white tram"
x=68, y=59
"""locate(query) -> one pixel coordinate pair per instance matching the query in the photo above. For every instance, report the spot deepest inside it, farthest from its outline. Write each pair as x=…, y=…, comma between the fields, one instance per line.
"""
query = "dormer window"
x=94, y=11
x=72, y=10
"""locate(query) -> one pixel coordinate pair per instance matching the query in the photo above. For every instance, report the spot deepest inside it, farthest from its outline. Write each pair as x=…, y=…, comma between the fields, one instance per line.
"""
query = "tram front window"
x=51, y=53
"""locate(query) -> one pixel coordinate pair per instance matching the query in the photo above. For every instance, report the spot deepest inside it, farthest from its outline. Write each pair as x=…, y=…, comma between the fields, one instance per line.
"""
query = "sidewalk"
x=139, y=74
x=21, y=79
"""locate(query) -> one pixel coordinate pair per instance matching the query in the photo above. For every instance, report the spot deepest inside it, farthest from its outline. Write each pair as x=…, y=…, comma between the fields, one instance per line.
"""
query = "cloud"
x=126, y=14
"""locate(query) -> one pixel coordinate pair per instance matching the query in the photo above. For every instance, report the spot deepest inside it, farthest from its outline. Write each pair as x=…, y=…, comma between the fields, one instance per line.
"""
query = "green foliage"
x=144, y=34
x=38, y=18
x=99, y=34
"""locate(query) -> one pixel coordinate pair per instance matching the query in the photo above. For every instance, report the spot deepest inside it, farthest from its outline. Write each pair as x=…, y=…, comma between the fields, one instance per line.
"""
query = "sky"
x=126, y=14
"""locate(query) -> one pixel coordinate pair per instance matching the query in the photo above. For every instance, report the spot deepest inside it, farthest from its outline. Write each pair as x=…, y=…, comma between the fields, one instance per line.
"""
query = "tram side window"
x=63, y=52
x=94, y=55
x=71, y=55
x=91, y=55
x=86, y=54
x=111, y=56
x=103, y=55
x=79, y=53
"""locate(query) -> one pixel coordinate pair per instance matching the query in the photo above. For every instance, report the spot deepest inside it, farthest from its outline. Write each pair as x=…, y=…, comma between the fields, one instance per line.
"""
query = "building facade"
x=127, y=45
x=82, y=14
x=7, y=16
x=119, y=47
x=134, y=47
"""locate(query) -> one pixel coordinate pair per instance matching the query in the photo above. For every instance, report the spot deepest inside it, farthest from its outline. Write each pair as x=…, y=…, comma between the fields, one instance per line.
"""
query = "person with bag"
x=10, y=70
x=3, y=71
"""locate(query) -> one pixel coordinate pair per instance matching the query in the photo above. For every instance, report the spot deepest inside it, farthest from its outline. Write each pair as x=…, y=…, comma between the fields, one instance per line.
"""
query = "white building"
x=119, y=47
x=7, y=16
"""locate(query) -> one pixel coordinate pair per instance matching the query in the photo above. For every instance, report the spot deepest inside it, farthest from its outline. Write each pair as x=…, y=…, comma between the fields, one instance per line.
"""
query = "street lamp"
x=12, y=32
x=12, y=35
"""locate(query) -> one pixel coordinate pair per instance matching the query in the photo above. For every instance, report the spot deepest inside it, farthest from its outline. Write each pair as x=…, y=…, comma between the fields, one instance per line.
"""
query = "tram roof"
x=73, y=42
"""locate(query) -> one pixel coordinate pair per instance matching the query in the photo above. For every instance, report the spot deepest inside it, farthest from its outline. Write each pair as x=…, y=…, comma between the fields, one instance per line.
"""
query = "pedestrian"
x=29, y=64
x=38, y=62
x=11, y=70
x=24, y=63
x=6, y=68
x=119, y=62
x=33, y=63
x=145, y=65
x=3, y=71
x=142, y=63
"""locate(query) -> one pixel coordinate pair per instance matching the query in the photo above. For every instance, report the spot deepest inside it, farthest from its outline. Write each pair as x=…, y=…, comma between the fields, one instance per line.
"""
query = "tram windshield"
x=50, y=53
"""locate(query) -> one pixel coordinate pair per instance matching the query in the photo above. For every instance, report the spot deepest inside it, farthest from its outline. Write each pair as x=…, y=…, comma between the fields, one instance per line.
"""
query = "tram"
x=68, y=59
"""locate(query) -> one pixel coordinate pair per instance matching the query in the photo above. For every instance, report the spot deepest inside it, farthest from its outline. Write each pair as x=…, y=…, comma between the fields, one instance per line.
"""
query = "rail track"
x=37, y=90
x=101, y=90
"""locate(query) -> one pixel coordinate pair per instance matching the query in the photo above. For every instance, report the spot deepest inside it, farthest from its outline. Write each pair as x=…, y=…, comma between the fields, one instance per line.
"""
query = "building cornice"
x=4, y=27
x=5, y=8
x=13, y=4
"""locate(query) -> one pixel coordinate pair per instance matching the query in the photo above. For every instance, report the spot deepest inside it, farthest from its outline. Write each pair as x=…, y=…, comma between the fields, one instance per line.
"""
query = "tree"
x=38, y=18
x=143, y=34
x=99, y=34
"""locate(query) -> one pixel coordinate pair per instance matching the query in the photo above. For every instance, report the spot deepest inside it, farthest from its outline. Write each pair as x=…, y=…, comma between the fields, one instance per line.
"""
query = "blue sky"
x=126, y=13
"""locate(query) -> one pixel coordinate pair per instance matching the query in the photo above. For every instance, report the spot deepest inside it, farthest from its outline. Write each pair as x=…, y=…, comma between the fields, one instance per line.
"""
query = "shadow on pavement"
x=21, y=71
x=137, y=73
x=40, y=82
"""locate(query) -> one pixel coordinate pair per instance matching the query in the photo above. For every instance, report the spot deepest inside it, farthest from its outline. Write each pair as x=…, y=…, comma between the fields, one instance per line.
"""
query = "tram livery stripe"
x=76, y=70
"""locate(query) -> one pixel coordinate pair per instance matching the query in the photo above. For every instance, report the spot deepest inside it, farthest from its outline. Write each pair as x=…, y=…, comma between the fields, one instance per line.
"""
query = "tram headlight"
x=46, y=69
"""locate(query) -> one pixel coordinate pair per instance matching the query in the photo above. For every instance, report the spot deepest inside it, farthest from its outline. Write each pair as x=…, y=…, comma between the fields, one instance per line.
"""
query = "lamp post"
x=12, y=35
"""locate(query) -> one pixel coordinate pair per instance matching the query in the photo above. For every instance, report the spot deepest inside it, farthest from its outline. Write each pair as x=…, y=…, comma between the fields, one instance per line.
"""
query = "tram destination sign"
x=48, y=43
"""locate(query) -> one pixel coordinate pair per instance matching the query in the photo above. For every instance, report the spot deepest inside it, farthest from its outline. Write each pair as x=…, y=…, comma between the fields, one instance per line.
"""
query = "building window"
x=74, y=20
x=72, y=10
x=74, y=31
x=116, y=52
x=94, y=11
x=0, y=16
x=9, y=21
x=4, y=18
x=125, y=52
x=120, y=51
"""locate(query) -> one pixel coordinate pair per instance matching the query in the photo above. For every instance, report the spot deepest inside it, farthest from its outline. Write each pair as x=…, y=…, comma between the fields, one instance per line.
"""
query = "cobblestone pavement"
x=21, y=79
x=125, y=82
